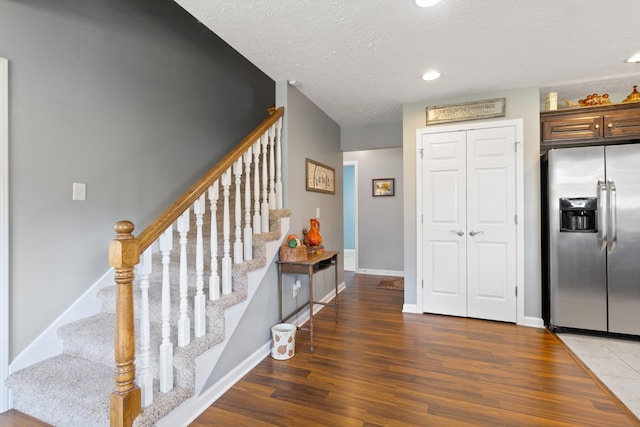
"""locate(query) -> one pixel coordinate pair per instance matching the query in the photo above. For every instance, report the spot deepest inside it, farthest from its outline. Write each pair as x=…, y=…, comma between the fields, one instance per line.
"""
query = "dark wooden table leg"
x=280, y=290
x=335, y=267
x=311, y=309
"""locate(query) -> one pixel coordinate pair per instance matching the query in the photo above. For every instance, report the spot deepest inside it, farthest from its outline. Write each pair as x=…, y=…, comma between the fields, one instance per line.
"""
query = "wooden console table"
x=310, y=267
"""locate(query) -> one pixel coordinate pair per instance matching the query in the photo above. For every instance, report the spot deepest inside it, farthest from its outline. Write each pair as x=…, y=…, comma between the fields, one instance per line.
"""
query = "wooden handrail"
x=168, y=217
x=124, y=254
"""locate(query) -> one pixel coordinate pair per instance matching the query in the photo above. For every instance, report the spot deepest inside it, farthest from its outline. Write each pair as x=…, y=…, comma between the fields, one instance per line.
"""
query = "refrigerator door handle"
x=602, y=215
x=612, y=217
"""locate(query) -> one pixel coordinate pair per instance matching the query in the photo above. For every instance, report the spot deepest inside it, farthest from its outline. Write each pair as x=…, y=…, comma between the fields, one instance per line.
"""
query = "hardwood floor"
x=380, y=367
x=13, y=418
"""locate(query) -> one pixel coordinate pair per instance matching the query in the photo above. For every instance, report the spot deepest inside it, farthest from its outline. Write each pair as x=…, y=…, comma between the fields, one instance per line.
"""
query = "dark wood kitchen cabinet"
x=590, y=125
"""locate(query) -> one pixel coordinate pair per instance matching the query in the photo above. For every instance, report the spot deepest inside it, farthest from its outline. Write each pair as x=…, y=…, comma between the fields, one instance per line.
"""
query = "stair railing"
x=260, y=152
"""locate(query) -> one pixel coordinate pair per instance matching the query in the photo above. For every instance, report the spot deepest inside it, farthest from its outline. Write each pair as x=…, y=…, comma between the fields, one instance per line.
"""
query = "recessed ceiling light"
x=634, y=58
x=427, y=3
x=430, y=75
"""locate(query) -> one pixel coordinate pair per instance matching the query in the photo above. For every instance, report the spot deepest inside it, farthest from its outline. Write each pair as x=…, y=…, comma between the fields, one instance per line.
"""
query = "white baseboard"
x=47, y=344
x=410, y=308
x=399, y=273
x=191, y=408
x=533, y=322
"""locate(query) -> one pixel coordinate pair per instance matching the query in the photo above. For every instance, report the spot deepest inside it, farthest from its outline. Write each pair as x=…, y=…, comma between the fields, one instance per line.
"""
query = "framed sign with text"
x=320, y=178
x=467, y=111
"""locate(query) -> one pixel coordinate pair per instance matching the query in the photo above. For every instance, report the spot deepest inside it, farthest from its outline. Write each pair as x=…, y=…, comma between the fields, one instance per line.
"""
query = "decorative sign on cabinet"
x=589, y=125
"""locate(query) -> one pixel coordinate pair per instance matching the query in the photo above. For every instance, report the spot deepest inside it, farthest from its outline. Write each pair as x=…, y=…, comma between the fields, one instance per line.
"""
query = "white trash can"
x=283, y=341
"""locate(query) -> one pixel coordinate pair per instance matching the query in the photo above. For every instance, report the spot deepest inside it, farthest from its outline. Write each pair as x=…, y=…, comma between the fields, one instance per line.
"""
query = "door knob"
x=458, y=232
x=475, y=233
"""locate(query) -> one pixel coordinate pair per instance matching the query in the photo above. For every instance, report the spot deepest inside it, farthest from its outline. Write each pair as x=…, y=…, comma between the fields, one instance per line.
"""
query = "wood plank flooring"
x=380, y=367
x=13, y=418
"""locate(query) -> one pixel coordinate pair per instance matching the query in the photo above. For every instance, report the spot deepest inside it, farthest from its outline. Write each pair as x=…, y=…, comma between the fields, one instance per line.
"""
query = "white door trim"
x=5, y=400
x=354, y=163
x=519, y=125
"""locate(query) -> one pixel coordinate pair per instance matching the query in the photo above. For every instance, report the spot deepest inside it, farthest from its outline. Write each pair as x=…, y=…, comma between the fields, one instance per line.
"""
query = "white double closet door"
x=469, y=223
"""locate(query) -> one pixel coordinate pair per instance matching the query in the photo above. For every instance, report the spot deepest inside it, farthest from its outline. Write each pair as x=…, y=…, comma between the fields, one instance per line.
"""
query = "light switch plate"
x=79, y=191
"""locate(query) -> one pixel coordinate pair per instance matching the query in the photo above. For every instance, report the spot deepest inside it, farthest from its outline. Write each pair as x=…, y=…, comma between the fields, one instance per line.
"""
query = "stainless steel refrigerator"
x=594, y=238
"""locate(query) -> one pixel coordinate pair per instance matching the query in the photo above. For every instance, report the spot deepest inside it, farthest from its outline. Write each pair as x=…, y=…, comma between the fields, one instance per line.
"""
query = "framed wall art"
x=381, y=187
x=320, y=178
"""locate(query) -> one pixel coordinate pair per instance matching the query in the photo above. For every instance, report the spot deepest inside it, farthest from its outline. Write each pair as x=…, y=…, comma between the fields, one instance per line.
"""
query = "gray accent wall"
x=136, y=99
x=370, y=136
x=307, y=133
x=314, y=135
x=521, y=103
x=380, y=219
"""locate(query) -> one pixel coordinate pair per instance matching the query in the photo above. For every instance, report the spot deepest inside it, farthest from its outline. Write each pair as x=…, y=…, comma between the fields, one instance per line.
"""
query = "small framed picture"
x=383, y=187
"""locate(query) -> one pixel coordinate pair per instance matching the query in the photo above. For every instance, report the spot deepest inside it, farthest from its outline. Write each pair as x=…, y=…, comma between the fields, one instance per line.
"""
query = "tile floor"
x=615, y=361
x=350, y=260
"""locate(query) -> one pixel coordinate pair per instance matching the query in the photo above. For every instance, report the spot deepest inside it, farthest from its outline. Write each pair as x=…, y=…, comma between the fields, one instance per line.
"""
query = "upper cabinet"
x=590, y=125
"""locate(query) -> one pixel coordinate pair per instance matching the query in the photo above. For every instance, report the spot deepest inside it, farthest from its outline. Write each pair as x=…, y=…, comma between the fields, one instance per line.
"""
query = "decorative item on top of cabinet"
x=590, y=101
x=634, y=96
x=590, y=125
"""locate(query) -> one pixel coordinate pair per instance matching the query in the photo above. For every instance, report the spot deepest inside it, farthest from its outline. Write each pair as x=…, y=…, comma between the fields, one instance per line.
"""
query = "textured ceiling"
x=360, y=60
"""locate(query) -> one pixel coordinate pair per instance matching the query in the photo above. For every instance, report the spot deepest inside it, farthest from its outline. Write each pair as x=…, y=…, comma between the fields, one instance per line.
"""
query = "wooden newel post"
x=124, y=255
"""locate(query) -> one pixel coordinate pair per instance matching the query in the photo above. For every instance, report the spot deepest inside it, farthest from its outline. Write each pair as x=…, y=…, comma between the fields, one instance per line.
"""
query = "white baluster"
x=145, y=376
x=199, y=327
x=226, y=233
x=264, y=207
x=237, y=245
x=279, y=201
x=214, y=278
x=257, y=222
x=184, y=323
x=272, y=168
x=166, y=348
x=248, y=232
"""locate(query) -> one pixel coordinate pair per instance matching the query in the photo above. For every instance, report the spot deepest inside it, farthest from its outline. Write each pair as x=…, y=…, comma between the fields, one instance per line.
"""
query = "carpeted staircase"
x=73, y=388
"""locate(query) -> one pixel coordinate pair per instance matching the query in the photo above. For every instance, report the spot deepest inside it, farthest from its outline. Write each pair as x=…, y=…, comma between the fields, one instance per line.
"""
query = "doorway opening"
x=350, y=180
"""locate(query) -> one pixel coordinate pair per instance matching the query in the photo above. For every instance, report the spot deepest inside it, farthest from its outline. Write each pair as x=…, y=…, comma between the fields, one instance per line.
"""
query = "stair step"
x=73, y=389
x=214, y=309
x=64, y=383
x=91, y=338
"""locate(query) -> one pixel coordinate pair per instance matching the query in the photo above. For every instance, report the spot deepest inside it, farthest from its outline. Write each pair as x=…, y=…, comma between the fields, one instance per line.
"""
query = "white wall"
x=4, y=231
x=521, y=103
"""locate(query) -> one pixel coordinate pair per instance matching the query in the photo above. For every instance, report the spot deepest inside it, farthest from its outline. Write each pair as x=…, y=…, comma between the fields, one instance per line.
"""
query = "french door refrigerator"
x=594, y=238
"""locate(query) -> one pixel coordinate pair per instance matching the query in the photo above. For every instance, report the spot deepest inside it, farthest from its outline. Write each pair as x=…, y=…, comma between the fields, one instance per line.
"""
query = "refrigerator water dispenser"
x=578, y=215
